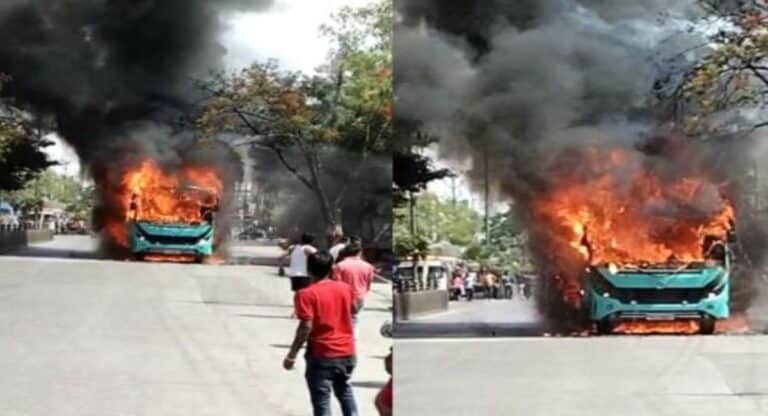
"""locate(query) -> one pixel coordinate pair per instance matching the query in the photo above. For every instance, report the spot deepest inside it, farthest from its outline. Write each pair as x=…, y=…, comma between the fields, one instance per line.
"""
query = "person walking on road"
x=383, y=400
x=297, y=269
x=506, y=280
x=325, y=310
x=470, y=282
x=486, y=278
x=357, y=273
x=337, y=243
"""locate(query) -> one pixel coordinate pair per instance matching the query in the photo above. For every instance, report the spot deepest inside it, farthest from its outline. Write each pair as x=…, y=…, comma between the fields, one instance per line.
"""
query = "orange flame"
x=735, y=324
x=150, y=193
x=616, y=210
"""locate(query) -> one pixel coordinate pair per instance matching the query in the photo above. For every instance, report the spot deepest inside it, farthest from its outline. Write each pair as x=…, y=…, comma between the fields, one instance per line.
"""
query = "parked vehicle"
x=8, y=217
x=429, y=273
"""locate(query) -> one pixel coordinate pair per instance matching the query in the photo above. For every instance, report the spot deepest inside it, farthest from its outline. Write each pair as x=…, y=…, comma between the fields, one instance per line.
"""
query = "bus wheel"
x=707, y=325
x=604, y=326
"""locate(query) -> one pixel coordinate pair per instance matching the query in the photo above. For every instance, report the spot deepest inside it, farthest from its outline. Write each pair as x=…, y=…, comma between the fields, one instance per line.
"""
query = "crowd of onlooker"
x=57, y=225
x=330, y=289
x=469, y=283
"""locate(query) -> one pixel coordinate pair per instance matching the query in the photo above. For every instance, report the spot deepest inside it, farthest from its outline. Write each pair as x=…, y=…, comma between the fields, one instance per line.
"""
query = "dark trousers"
x=299, y=282
x=326, y=374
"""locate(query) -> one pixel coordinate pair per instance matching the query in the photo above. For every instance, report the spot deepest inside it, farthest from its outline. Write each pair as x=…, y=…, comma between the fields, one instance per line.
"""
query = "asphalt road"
x=480, y=317
x=83, y=336
x=620, y=375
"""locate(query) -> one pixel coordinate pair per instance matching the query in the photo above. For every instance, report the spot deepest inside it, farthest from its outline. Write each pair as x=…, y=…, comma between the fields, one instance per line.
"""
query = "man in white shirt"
x=298, y=262
x=337, y=243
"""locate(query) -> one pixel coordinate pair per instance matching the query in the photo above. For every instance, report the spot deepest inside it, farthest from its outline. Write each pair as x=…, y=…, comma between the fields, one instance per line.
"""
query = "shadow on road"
x=378, y=309
x=467, y=329
x=60, y=253
x=236, y=260
x=367, y=384
x=280, y=346
x=254, y=315
x=225, y=303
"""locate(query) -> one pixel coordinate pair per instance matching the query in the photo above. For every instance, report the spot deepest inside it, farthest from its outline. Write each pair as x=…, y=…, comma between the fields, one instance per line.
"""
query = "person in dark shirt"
x=325, y=310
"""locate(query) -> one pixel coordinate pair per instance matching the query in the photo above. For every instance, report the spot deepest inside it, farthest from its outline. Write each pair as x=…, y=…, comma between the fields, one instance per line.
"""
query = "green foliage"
x=732, y=73
x=406, y=244
x=300, y=117
x=436, y=221
x=52, y=187
x=507, y=246
x=439, y=220
x=21, y=147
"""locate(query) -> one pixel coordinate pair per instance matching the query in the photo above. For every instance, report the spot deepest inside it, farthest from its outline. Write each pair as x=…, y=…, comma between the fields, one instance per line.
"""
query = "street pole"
x=453, y=190
x=487, y=193
x=412, y=218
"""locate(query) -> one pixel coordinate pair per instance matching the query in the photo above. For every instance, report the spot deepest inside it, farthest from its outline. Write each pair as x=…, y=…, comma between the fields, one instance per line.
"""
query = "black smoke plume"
x=115, y=76
x=522, y=84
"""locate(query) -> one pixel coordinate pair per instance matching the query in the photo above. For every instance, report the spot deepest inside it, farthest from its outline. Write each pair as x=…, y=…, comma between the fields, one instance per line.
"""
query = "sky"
x=288, y=32
x=459, y=186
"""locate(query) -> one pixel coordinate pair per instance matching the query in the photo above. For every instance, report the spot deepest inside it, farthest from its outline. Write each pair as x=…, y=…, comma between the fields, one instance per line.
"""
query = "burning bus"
x=673, y=291
x=168, y=215
x=192, y=237
x=635, y=248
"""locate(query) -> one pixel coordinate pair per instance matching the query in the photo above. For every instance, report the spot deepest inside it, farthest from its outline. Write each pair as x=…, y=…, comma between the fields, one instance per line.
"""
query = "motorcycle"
x=526, y=290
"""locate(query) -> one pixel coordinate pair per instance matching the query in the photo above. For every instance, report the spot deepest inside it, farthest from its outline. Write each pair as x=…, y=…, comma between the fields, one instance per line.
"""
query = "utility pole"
x=411, y=203
x=453, y=190
x=487, y=194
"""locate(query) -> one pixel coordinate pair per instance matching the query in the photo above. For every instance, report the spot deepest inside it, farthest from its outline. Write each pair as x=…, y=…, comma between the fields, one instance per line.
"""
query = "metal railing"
x=415, y=284
x=23, y=226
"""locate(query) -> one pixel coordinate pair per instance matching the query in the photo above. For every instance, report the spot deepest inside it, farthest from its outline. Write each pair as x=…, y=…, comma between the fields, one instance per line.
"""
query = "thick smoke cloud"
x=99, y=66
x=116, y=76
x=519, y=82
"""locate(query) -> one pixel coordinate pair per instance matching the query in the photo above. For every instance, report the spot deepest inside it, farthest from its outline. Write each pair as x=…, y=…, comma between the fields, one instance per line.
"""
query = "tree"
x=52, y=187
x=412, y=171
x=436, y=221
x=731, y=69
x=21, y=146
x=304, y=120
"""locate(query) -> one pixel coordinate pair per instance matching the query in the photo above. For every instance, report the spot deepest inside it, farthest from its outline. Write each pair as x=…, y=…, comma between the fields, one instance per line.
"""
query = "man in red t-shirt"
x=325, y=310
x=356, y=272
x=383, y=400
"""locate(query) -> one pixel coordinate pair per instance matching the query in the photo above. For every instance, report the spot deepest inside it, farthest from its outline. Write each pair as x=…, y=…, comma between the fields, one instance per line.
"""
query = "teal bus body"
x=195, y=239
x=694, y=291
x=629, y=294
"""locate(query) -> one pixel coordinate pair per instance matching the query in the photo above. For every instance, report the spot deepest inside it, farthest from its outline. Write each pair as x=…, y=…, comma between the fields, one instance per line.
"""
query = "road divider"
x=409, y=305
x=12, y=240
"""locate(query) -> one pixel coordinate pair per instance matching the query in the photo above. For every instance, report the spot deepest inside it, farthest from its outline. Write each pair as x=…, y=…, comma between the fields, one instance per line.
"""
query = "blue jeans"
x=326, y=374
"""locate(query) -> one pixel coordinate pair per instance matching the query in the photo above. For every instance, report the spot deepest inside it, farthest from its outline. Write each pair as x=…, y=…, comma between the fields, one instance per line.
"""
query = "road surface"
x=83, y=336
x=619, y=375
x=480, y=317
x=524, y=373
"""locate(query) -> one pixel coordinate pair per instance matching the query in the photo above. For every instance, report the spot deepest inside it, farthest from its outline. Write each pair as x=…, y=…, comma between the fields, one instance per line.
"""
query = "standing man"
x=489, y=283
x=337, y=243
x=298, y=266
x=357, y=273
x=506, y=280
x=470, y=282
x=383, y=400
x=325, y=311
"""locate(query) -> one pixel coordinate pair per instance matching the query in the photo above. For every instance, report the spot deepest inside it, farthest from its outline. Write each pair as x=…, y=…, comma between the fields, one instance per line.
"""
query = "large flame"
x=617, y=209
x=148, y=192
x=637, y=219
